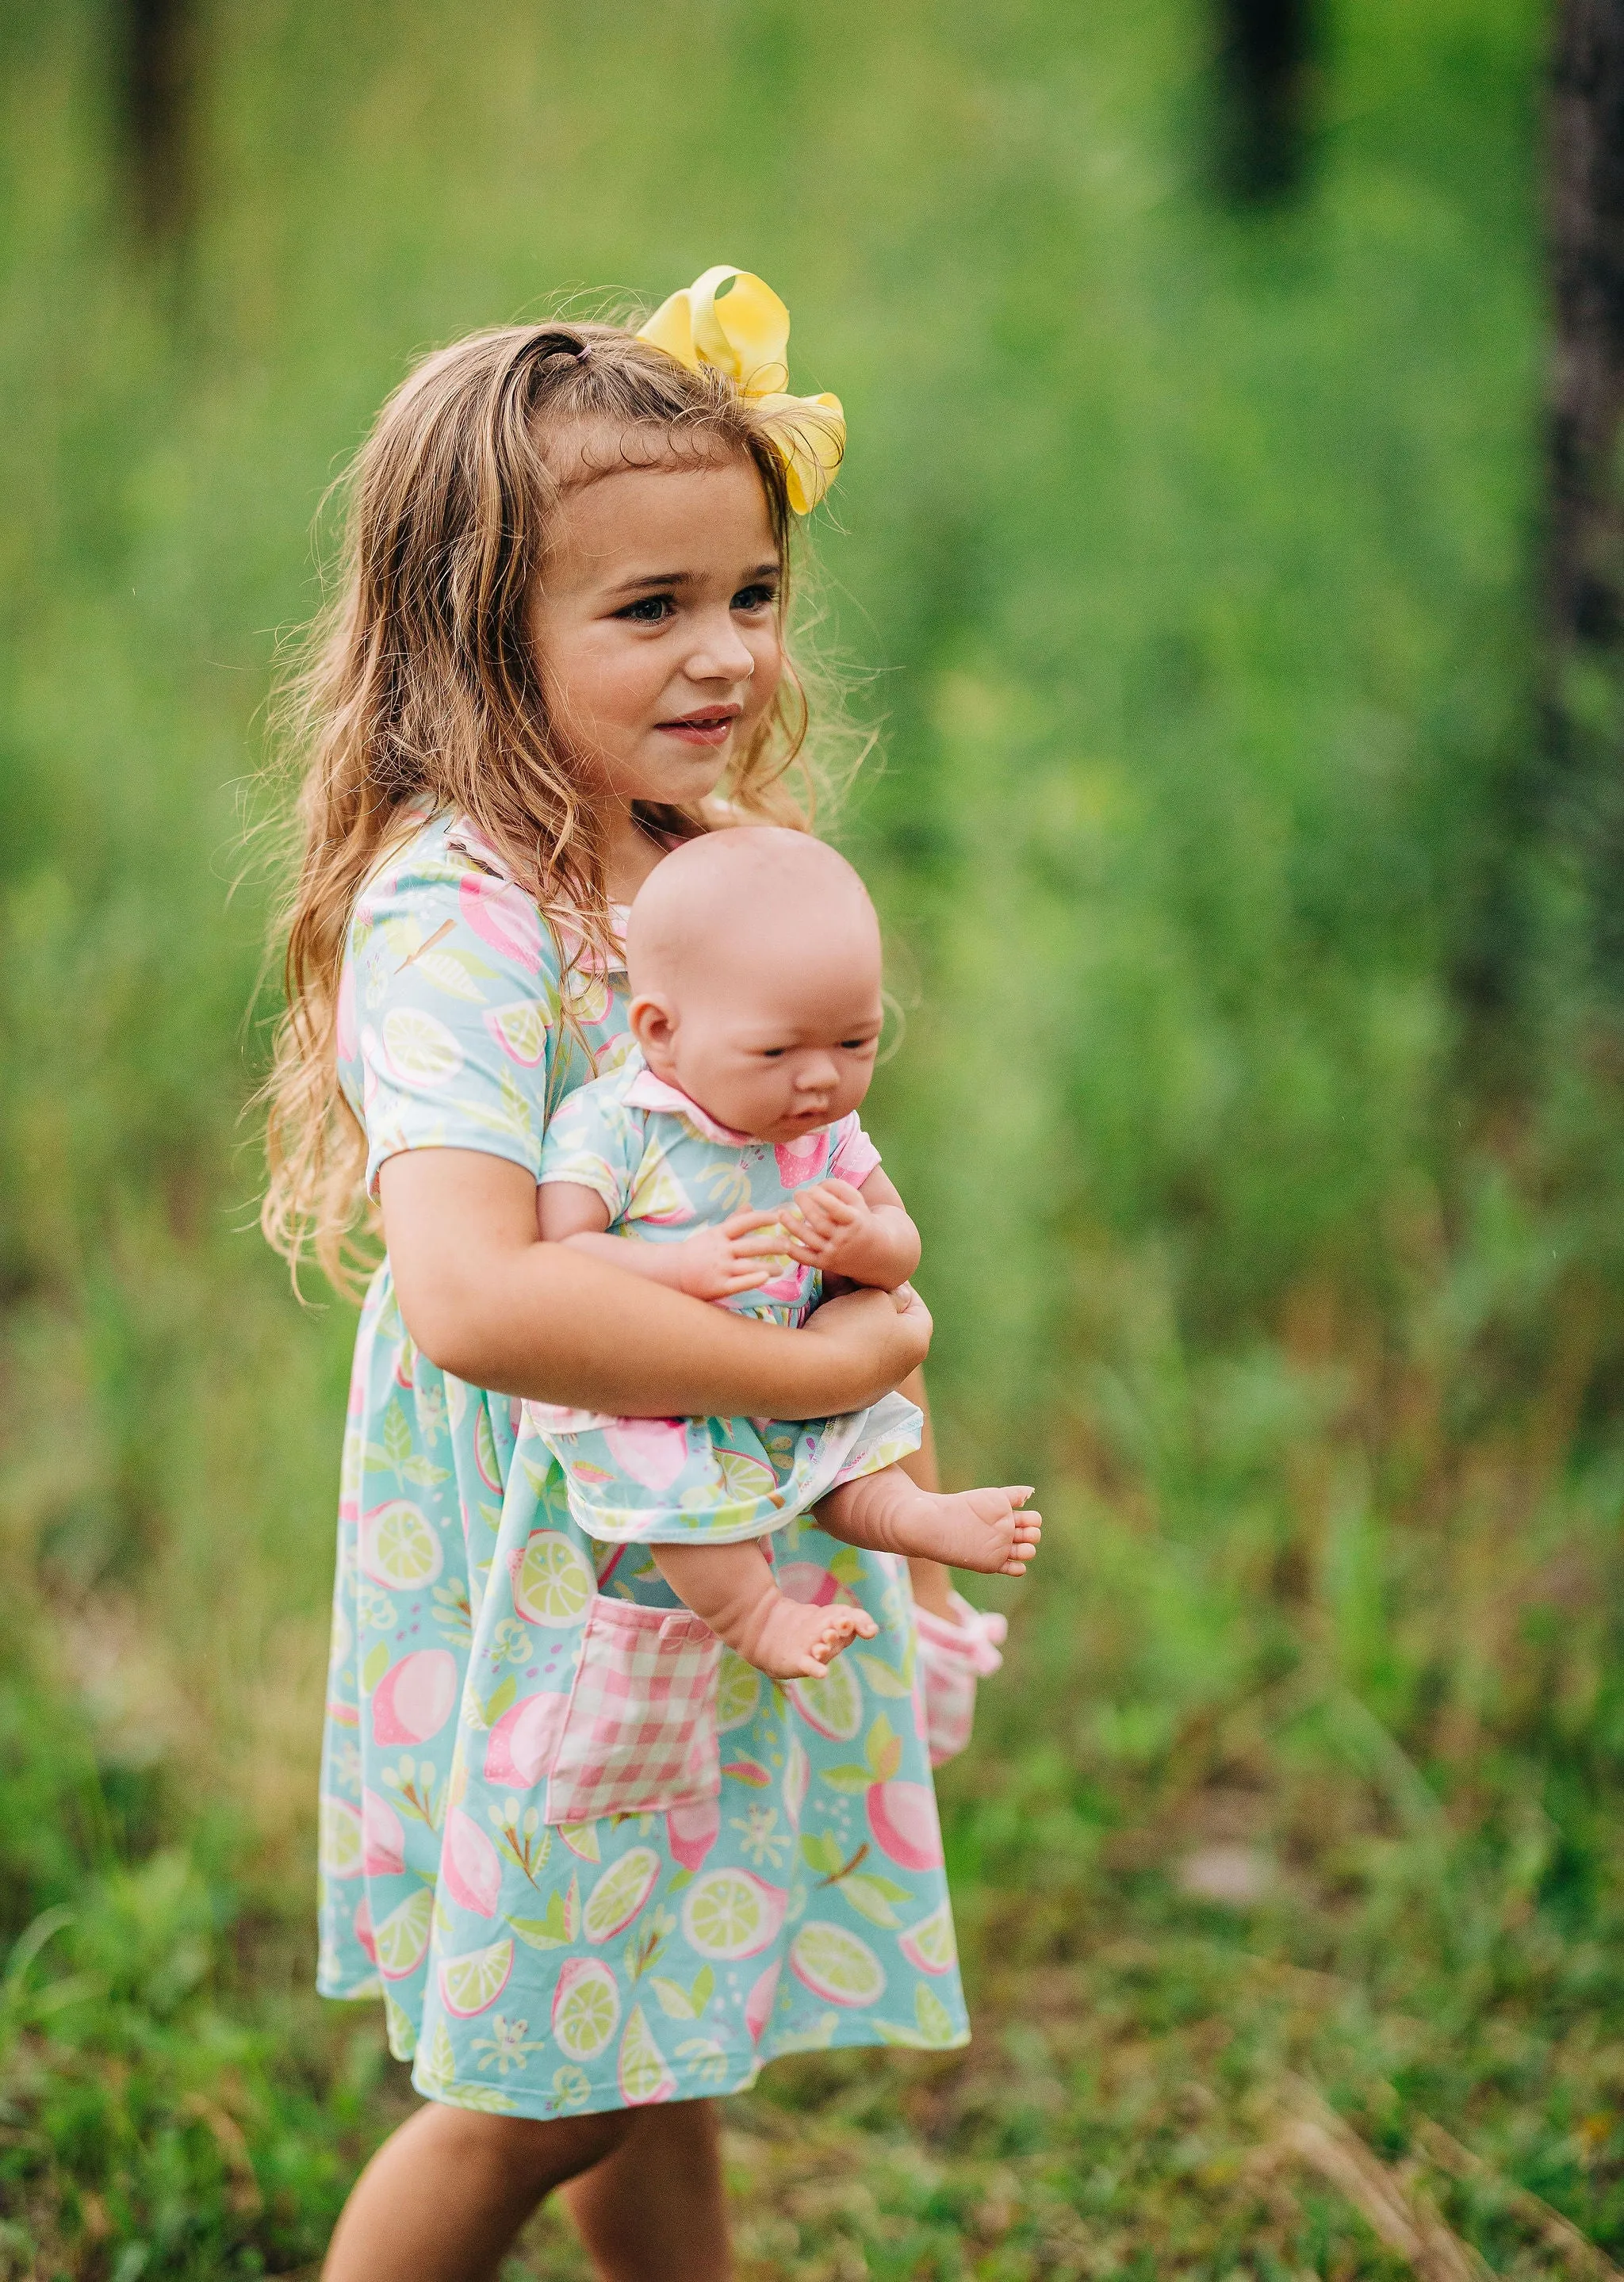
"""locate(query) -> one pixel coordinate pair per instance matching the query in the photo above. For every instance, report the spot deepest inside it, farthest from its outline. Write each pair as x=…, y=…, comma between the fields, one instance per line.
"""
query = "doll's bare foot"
x=969, y=1529
x=976, y=1529
x=797, y=1643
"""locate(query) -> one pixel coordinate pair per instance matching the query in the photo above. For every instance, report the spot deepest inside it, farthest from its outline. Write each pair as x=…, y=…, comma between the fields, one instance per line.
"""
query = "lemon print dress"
x=588, y=1858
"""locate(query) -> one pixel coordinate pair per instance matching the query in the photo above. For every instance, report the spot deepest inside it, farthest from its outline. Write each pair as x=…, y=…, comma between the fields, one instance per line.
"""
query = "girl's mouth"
x=711, y=725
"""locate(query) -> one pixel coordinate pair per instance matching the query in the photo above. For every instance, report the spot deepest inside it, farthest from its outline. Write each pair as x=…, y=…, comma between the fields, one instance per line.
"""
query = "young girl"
x=559, y=642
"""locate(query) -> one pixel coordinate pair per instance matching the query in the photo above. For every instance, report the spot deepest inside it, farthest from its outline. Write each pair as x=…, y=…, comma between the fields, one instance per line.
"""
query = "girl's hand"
x=883, y=1335
x=720, y=1264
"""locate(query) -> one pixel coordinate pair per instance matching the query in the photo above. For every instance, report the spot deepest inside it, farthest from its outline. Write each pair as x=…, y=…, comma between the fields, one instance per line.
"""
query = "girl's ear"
x=652, y=1021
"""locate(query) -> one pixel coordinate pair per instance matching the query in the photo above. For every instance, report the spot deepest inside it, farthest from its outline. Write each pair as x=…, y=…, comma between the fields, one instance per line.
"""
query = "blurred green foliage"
x=1182, y=560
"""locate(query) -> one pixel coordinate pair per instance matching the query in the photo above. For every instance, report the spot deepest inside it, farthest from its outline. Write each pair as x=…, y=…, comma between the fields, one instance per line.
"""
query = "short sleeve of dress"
x=448, y=1009
x=852, y=1155
x=595, y=1142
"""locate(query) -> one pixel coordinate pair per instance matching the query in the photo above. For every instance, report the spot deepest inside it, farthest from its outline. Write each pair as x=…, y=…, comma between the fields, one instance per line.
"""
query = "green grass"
x=1418, y=1962
x=1184, y=560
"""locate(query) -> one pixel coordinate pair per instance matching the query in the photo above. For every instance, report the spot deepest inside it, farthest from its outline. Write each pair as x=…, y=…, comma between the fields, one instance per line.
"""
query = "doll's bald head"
x=753, y=957
x=731, y=897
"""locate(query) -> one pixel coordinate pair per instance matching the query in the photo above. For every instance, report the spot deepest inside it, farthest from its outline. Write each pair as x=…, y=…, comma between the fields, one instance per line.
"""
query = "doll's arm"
x=863, y=1234
x=713, y=1263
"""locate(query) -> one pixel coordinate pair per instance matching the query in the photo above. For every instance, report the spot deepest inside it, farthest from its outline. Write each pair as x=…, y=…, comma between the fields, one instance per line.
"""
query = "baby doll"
x=725, y=1157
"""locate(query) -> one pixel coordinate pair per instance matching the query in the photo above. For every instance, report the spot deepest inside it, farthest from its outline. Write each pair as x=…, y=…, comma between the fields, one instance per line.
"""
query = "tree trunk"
x=155, y=89
x=1264, y=56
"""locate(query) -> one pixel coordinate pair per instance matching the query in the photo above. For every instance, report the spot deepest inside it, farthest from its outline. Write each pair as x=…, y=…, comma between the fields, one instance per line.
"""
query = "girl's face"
x=656, y=625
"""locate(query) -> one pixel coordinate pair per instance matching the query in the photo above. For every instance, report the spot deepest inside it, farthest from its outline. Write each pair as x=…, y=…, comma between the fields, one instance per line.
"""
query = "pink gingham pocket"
x=639, y=1736
x=952, y=1658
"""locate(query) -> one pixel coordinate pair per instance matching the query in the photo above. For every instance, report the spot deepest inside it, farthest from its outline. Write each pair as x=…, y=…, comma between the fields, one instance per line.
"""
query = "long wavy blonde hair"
x=418, y=692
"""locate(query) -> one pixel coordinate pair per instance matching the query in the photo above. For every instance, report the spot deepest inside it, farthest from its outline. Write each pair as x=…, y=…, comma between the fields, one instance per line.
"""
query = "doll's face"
x=774, y=1045
x=654, y=624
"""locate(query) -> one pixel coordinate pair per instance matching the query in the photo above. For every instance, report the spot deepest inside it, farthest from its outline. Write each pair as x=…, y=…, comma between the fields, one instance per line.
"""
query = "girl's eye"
x=648, y=610
x=857, y=1046
x=754, y=598
x=773, y=1053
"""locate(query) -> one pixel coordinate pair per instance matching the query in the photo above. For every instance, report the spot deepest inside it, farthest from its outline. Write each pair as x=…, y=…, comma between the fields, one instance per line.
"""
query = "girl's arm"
x=569, y=1214
x=714, y=1263
x=487, y=1300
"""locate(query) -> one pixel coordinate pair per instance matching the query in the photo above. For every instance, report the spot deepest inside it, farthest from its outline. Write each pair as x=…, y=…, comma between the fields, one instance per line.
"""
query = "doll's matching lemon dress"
x=664, y=1167
x=589, y=1857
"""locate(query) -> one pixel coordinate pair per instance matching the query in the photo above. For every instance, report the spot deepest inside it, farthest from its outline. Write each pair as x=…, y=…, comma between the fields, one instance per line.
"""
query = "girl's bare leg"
x=445, y=2195
x=653, y=2210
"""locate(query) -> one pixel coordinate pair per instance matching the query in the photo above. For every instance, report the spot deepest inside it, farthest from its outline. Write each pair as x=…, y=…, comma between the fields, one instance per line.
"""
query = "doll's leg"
x=933, y=1587
x=730, y=1586
x=653, y=2210
x=971, y=1529
x=445, y=2195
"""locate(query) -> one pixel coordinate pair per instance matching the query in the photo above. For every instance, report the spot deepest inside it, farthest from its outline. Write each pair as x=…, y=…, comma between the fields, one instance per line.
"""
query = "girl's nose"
x=720, y=654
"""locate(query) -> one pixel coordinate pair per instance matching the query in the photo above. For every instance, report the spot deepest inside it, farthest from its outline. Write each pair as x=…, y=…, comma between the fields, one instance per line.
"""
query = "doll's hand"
x=720, y=1264
x=831, y=1227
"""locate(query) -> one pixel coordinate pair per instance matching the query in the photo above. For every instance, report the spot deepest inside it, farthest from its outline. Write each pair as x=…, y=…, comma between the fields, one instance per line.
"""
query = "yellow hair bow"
x=745, y=334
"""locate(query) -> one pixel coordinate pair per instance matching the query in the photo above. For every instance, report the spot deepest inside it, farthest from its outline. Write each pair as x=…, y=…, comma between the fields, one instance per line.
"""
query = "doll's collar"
x=646, y=1092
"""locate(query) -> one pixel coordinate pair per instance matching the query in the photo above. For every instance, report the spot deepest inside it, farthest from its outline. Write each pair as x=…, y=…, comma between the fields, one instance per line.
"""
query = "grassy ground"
x=1253, y=1995
x=1185, y=555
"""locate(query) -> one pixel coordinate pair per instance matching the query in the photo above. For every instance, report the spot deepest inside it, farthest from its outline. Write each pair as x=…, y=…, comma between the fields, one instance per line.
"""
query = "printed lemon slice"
x=620, y=1893
x=469, y=1984
x=836, y=1965
x=834, y=1704
x=586, y=994
x=519, y=1030
x=731, y=1913
x=586, y=2007
x=930, y=1945
x=758, y=2004
x=398, y=1547
x=644, y=2076
x=738, y=1691
x=341, y=1842
x=419, y=1047
x=552, y=1584
x=745, y=1479
x=404, y=1936
x=657, y=1194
